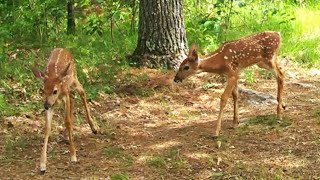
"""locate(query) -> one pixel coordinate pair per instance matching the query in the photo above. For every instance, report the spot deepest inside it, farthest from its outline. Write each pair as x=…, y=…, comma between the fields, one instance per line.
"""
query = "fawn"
x=59, y=78
x=229, y=59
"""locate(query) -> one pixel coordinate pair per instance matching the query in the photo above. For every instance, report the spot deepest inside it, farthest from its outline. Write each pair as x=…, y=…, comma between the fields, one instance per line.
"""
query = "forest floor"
x=153, y=128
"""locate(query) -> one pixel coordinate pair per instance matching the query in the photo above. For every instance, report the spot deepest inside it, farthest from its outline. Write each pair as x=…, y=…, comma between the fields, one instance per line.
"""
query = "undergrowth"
x=214, y=22
x=103, y=42
x=270, y=121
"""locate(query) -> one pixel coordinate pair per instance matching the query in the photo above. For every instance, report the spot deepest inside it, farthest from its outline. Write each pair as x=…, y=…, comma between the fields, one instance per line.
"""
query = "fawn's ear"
x=38, y=74
x=193, y=54
x=64, y=72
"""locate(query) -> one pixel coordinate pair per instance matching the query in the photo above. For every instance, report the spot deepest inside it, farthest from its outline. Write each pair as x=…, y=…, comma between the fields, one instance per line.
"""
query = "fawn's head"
x=188, y=66
x=52, y=85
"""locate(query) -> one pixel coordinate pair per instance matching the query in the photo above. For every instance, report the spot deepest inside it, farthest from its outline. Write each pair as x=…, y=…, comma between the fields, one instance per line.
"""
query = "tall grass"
x=299, y=26
x=304, y=43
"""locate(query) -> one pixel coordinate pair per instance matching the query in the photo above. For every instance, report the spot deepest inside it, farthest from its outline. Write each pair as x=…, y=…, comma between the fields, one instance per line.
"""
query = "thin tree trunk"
x=133, y=17
x=71, y=23
x=161, y=38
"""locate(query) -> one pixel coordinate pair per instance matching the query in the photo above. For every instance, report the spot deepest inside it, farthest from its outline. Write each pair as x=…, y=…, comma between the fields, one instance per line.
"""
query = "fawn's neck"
x=211, y=64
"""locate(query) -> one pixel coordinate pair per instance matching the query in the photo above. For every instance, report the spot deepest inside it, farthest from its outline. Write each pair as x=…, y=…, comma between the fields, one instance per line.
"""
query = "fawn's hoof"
x=64, y=139
x=284, y=106
x=42, y=172
x=214, y=137
x=94, y=131
x=73, y=159
x=42, y=168
x=235, y=125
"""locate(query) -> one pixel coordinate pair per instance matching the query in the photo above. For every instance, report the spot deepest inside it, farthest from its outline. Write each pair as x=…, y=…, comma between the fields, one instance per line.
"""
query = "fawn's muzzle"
x=47, y=106
x=176, y=79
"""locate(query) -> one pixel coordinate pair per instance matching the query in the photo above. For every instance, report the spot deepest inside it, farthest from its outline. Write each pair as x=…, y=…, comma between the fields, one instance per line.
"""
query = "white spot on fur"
x=56, y=64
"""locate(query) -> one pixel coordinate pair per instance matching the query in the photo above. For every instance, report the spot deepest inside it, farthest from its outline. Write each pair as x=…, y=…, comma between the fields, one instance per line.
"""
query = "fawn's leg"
x=235, y=106
x=280, y=82
x=232, y=80
x=47, y=130
x=273, y=65
x=66, y=132
x=80, y=90
x=68, y=124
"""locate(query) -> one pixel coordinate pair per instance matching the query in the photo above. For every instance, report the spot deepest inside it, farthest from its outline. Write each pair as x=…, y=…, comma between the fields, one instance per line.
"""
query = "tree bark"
x=161, y=35
x=71, y=23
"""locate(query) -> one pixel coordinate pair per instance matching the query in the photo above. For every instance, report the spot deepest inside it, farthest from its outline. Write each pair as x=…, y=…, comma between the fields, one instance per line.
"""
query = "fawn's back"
x=246, y=51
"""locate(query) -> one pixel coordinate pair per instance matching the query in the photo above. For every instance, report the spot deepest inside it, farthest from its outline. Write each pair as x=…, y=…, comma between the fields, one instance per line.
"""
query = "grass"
x=270, y=121
x=243, y=130
x=265, y=74
x=112, y=152
x=5, y=108
x=120, y=176
x=316, y=114
x=249, y=76
x=208, y=85
x=185, y=114
x=156, y=162
x=217, y=175
x=135, y=84
x=171, y=159
x=14, y=143
x=119, y=155
x=106, y=127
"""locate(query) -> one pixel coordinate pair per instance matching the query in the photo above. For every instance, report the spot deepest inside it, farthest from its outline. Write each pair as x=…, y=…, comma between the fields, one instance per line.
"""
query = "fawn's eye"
x=55, y=92
x=186, y=68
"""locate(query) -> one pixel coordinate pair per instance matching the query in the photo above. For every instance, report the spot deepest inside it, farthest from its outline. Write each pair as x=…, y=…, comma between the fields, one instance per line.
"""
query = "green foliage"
x=266, y=74
x=209, y=85
x=156, y=162
x=15, y=143
x=99, y=54
x=112, y=152
x=316, y=114
x=106, y=34
x=5, y=109
x=171, y=159
x=119, y=155
x=120, y=176
x=271, y=121
x=249, y=76
x=134, y=84
x=211, y=22
x=217, y=175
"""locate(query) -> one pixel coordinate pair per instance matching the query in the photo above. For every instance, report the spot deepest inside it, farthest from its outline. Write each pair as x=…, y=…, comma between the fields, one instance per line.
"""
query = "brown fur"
x=60, y=78
x=230, y=58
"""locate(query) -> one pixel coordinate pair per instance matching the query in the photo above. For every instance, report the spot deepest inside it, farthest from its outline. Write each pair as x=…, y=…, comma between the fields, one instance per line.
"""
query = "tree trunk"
x=71, y=23
x=161, y=37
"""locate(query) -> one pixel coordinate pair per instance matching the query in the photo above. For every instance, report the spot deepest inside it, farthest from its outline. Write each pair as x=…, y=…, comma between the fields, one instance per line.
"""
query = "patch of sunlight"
x=151, y=125
x=198, y=155
x=178, y=111
x=204, y=174
x=308, y=24
x=143, y=159
x=285, y=161
x=164, y=145
x=146, y=104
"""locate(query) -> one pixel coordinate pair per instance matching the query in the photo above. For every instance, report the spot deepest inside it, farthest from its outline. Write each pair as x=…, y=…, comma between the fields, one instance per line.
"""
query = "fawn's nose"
x=47, y=106
x=176, y=79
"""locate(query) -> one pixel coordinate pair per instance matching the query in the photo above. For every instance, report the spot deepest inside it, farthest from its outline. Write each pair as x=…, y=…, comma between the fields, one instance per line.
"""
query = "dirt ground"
x=161, y=130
